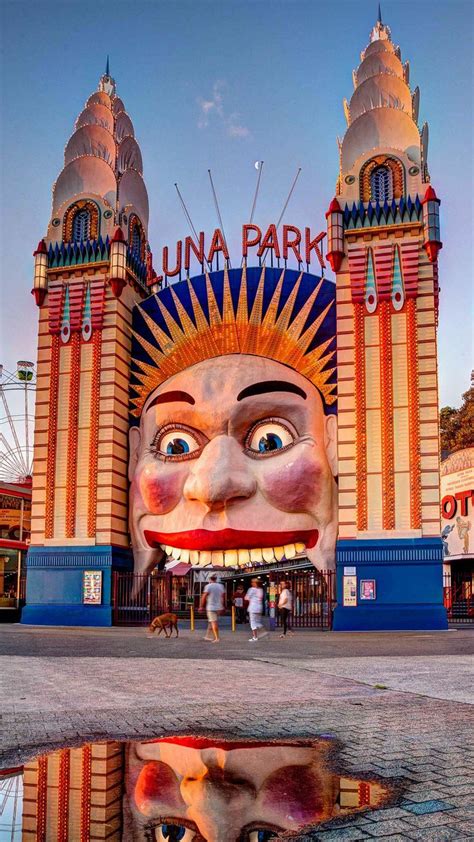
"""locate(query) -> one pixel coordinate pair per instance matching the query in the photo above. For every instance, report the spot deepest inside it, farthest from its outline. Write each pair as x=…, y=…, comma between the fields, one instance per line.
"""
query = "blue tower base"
x=54, y=584
x=404, y=575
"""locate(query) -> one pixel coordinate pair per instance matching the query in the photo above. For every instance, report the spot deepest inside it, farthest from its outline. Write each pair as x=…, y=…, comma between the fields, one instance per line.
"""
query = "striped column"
x=360, y=411
x=386, y=402
x=71, y=476
x=52, y=437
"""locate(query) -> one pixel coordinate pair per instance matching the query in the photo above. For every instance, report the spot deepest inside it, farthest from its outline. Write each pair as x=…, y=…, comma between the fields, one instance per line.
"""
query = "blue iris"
x=173, y=832
x=264, y=835
x=176, y=447
x=270, y=442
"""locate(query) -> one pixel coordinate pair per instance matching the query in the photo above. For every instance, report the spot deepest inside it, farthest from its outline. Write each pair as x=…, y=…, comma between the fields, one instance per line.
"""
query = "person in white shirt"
x=285, y=606
x=213, y=601
x=254, y=598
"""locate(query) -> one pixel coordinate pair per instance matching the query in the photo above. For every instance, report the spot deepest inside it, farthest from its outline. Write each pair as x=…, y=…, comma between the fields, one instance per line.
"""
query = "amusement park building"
x=94, y=265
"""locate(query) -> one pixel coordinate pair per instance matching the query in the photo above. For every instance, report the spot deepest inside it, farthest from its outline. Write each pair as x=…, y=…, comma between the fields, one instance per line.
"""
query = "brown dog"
x=164, y=622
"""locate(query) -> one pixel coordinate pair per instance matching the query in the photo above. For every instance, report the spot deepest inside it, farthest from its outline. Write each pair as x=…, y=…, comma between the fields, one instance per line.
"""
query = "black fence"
x=458, y=600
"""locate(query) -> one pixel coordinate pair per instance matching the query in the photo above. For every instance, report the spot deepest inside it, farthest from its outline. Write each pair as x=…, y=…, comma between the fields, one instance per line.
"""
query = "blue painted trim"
x=105, y=556
x=409, y=584
x=55, y=579
x=67, y=615
x=390, y=618
x=389, y=551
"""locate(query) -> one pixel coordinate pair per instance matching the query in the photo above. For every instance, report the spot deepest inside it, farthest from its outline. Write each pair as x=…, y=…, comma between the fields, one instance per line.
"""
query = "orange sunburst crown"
x=284, y=315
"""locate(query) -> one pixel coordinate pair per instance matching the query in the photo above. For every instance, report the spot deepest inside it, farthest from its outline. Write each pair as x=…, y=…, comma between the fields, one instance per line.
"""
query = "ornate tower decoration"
x=90, y=268
x=383, y=244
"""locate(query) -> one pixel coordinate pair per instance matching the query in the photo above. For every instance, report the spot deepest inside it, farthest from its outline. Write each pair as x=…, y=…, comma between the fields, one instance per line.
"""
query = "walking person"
x=254, y=597
x=239, y=604
x=213, y=601
x=285, y=606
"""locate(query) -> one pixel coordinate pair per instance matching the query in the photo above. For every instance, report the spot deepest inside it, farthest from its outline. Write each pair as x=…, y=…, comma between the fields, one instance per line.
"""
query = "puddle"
x=181, y=789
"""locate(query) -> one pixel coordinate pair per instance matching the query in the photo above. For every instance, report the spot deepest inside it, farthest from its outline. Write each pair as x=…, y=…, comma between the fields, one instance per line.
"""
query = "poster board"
x=349, y=592
x=92, y=587
x=367, y=589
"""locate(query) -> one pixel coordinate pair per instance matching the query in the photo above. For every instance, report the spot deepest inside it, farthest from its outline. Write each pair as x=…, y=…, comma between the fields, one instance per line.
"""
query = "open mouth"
x=231, y=547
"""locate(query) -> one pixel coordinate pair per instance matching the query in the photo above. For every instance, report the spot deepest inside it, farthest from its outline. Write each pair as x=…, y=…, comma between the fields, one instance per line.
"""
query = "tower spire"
x=107, y=73
x=379, y=18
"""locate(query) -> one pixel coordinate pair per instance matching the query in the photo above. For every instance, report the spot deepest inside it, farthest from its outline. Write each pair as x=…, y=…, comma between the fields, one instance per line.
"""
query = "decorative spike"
x=197, y=338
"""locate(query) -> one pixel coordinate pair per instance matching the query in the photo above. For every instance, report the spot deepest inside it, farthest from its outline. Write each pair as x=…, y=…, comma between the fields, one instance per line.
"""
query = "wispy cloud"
x=213, y=108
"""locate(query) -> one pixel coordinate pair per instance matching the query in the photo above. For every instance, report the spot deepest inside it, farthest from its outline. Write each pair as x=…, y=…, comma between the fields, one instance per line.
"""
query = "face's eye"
x=174, y=833
x=176, y=442
x=262, y=835
x=269, y=436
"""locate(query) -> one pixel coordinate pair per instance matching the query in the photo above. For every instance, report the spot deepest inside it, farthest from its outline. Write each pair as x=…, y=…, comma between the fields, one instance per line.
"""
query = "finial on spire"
x=379, y=18
x=107, y=73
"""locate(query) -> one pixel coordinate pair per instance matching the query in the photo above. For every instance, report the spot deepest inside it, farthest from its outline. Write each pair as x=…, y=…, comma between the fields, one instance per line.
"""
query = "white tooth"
x=175, y=552
x=230, y=558
x=256, y=555
x=217, y=557
x=300, y=548
x=184, y=556
x=194, y=556
x=279, y=553
x=205, y=557
x=290, y=550
x=267, y=553
x=168, y=550
x=244, y=556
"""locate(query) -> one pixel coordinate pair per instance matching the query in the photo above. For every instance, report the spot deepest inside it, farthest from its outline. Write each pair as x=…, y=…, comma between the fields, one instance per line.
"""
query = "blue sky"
x=276, y=74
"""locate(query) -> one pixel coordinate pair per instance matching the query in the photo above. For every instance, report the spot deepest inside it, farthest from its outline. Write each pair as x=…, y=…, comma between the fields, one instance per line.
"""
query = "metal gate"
x=314, y=597
x=136, y=599
x=459, y=600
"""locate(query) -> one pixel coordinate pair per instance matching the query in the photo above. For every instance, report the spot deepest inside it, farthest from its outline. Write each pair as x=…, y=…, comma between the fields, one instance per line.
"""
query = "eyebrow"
x=168, y=397
x=270, y=386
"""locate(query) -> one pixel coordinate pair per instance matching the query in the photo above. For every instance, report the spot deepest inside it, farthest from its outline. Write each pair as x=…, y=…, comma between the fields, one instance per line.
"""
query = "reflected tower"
x=383, y=244
x=90, y=268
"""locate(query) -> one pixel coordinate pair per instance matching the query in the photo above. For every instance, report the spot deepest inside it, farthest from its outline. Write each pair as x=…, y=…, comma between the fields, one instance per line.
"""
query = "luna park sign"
x=291, y=243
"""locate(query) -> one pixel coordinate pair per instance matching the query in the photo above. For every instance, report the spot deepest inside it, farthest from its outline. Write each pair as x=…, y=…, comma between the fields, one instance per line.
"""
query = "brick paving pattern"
x=417, y=731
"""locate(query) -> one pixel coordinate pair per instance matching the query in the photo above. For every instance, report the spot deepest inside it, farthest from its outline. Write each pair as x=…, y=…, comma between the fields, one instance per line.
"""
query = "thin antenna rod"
x=188, y=218
x=256, y=191
x=285, y=206
x=221, y=224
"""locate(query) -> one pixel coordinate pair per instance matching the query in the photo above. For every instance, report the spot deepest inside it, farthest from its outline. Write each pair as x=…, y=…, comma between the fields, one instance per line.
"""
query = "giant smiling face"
x=195, y=790
x=233, y=462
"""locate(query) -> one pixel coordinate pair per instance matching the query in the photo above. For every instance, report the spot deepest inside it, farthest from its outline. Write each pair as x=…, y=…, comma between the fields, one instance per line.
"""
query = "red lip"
x=227, y=745
x=230, y=539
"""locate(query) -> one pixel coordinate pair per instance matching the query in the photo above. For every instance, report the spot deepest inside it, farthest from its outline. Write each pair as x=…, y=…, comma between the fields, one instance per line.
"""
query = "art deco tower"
x=383, y=243
x=90, y=268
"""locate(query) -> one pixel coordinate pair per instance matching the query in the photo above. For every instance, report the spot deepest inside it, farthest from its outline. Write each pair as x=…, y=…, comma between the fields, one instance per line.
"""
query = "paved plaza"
x=398, y=703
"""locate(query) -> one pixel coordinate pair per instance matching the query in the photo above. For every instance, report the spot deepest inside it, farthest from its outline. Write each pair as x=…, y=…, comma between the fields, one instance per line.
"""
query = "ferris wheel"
x=17, y=390
x=11, y=797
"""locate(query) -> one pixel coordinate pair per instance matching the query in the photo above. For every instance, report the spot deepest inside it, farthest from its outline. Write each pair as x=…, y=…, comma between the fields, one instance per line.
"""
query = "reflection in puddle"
x=182, y=789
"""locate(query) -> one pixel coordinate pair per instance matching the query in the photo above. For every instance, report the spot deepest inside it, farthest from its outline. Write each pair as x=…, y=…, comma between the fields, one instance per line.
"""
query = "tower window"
x=136, y=242
x=381, y=184
x=81, y=226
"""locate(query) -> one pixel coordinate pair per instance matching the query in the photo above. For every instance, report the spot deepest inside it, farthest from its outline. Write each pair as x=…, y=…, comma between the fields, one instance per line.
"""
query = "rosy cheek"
x=161, y=489
x=157, y=783
x=294, y=791
x=295, y=485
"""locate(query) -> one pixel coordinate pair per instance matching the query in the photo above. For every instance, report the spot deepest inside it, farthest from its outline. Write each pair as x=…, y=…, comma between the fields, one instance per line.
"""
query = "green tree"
x=457, y=425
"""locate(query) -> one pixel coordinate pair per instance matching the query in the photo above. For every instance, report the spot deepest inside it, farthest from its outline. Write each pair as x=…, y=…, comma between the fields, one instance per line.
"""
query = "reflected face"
x=198, y=791
x=233, y=462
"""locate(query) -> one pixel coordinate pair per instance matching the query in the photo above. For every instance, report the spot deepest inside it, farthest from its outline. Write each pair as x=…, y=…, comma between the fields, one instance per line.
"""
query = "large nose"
x=221, y=475
x=218, y=799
